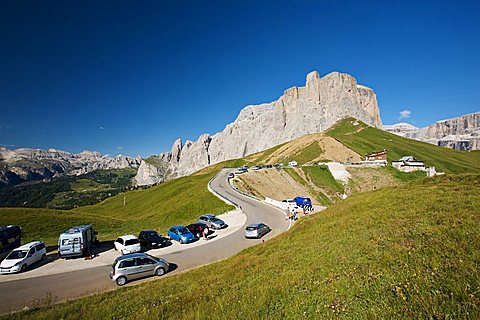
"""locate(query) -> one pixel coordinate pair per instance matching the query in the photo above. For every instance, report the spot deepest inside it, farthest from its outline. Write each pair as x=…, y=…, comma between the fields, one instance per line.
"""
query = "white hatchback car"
x=127, y=244
x=21, y=258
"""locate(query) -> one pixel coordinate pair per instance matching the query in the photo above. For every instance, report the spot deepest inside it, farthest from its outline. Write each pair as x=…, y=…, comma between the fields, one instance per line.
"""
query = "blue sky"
x=130, y=77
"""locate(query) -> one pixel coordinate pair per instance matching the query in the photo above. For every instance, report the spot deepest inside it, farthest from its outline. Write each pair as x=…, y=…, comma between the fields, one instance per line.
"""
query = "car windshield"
x=131, y=242
x=216, y=219
x=251, y=228
x=17, y=254
x=152, y=234
x=183, y=231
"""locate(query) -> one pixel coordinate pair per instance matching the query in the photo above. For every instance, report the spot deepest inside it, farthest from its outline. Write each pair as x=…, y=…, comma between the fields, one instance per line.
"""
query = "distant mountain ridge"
x=462, y=133
x=24, y=164
x=299, y=111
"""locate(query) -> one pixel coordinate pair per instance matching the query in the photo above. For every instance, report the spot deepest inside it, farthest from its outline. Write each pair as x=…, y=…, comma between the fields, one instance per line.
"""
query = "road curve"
x=18, y=294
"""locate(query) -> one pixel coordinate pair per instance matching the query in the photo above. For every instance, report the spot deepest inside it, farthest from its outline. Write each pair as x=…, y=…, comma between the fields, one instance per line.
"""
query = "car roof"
x=178, y=227
x=208, y=215
x=254, y=225
x=132, y=255
x=128, y=237
x=29, y=245
x=77, y=229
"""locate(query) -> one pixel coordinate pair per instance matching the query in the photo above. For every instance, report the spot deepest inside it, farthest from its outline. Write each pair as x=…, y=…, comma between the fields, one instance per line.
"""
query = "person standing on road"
x=205, y=233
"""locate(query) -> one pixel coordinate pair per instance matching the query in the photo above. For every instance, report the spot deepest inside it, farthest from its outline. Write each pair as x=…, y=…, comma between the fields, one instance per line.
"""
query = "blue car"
x=302, y=201
x=181, y=234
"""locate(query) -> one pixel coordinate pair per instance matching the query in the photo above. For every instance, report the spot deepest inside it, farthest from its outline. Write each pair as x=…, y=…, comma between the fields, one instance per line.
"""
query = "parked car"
x=151, y=239
x=255, y=168
x=240, y=171
x=21, y=258
x=293, y=164
x=137, y=265
x=77, y=241
x=197, y=229
x=302, y=201
x=127, y=244
x=181, y=234
x=257, y=230
x=212, y=222
x=10, y=237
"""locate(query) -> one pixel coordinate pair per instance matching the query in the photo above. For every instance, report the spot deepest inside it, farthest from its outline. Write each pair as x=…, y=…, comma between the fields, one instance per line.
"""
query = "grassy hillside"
x=178, y=201
x=46, y=224
x=307, y=149
x=364, y=139
x=320, y=195
x=405, y=253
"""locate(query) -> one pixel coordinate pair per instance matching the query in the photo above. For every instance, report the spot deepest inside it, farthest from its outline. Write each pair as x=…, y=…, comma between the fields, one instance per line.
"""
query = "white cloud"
x=101, y=128
x=405, y=114
x=119, y=148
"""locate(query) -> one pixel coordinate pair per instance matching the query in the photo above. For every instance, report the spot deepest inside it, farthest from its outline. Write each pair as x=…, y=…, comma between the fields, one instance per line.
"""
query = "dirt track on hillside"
x=331, y=150
x=271, y=183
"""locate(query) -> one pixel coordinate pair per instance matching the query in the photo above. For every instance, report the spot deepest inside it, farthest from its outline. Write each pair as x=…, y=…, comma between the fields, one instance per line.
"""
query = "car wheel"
x=121, y=251
x=121, y=281
x=160, y=272
x=198, y=234
x=24, y=268
x=43, y=257
x=181, y=241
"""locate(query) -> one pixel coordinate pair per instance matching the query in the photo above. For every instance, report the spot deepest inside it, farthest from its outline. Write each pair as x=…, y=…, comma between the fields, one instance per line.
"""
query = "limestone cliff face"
x=464, y=125
x=299, y=111
x=462, y=133
x=150, y=173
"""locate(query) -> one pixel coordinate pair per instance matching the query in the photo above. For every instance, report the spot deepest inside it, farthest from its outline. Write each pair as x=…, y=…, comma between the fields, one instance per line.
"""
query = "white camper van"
x=77, y=241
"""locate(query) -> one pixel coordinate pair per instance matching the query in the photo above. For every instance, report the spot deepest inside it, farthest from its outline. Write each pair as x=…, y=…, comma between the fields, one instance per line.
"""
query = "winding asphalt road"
x=18, y=294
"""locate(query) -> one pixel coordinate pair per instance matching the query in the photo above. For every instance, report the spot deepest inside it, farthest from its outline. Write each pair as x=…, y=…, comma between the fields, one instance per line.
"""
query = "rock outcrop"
x=151, y=172
x=462, y=133
x=299, y=111
x=24, y=165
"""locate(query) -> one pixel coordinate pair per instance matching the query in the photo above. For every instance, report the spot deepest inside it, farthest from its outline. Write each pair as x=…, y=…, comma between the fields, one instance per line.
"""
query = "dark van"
x=10, y=238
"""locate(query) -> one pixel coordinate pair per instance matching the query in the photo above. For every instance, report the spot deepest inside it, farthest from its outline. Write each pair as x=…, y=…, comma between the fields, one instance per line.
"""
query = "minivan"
x=137, y=265
x=21, y=258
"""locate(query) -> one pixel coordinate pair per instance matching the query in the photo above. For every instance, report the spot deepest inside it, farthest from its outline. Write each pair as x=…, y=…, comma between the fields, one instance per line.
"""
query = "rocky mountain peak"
x=299, y=111
x=461, y=133
x=24, y=164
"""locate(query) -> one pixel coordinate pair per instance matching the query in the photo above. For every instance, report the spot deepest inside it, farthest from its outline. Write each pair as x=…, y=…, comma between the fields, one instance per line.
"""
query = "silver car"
x=256, y=230
x=137, y=265
x=212, y=222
